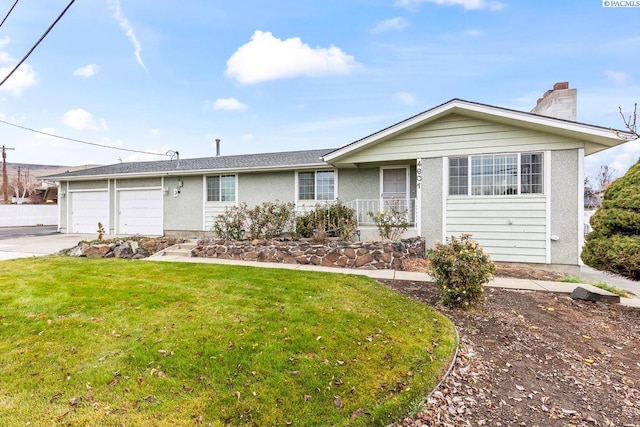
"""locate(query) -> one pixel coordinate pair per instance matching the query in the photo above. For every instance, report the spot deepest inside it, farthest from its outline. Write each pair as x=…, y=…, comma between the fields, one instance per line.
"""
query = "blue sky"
x=282, y=75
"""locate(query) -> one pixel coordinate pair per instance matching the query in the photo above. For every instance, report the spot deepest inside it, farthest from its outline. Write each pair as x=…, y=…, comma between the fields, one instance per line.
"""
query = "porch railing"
x=364, y=206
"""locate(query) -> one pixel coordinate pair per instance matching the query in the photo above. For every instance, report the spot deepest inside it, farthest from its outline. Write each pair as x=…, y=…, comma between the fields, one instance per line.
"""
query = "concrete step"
x=179, y=250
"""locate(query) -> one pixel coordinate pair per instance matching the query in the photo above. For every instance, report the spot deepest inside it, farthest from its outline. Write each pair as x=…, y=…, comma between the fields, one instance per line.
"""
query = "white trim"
x=580, y=203
x=315, y=186
x=418, y=207
x=546, y=168
x=407, y=190
x=235, y=188
x=204, y=203
x=116, y=211
x=445, y=194
x=155, y=187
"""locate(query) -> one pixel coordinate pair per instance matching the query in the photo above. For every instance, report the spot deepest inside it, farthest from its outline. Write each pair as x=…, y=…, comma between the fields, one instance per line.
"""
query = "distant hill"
x=37, y=171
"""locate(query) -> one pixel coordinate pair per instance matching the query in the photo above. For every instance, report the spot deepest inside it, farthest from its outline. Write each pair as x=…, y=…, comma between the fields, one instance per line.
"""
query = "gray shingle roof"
x=205, y=164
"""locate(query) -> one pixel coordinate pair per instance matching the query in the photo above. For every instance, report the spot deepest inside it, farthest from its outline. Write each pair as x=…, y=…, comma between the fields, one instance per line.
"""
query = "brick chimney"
x=559, y=102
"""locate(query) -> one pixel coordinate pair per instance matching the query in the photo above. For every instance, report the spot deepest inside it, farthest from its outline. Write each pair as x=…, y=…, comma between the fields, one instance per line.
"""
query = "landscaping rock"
x=587, y=295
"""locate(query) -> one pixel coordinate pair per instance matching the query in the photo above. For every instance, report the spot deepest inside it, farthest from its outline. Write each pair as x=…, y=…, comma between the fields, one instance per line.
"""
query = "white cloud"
x=406, y=97
x=618, y=77
x=492, y=5
x=87, y=71
x=154, y=132
x=128, y=30
x=230, y=104
x=23, y=78
x=247, y=137
x=83, y=120
x=266, y=57
x=396, y=24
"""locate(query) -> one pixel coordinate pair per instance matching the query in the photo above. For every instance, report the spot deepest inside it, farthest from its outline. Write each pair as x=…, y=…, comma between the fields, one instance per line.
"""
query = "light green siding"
x=460, y=135
x=184, y=213
x=256, y=188
x=565, y=211
x=511, y=229
x=363, y=183
x=139, y=183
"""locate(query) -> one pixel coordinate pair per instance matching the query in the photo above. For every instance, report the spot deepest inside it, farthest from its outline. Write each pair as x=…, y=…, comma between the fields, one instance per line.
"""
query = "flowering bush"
x=460, y=268
x=271, y=219
x=230, y=224
x=334, y=220
x=392, y=221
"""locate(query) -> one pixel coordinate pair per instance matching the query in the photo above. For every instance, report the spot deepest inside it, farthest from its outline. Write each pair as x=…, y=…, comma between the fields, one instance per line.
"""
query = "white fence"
x=28, y=215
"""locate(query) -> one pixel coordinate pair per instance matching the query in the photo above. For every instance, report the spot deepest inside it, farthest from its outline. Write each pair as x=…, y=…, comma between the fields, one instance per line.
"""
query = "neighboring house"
x=512, y=179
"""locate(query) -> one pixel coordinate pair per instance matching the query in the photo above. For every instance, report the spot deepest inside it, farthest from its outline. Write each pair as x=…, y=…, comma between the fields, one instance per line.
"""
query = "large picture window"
x=221, y=188
x=496, y=175
x=317, y=185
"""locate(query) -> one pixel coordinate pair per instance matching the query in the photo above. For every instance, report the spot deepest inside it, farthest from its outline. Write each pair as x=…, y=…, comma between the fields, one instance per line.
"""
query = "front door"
x=395, y=188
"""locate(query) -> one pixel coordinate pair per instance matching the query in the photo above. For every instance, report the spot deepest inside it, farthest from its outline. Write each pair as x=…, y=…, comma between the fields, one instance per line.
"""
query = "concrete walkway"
x=171, y=255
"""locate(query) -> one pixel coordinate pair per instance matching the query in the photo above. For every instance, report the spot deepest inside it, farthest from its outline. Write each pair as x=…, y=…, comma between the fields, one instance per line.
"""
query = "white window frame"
x=407, y=168
x=315, y=185
x=519, y=177
x=220, y=175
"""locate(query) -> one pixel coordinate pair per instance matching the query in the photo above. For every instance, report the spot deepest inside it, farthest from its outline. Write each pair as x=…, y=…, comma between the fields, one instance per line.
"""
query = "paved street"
x=16, y=232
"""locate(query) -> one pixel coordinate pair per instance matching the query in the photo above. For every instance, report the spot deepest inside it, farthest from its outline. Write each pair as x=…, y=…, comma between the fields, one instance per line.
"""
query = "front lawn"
x=113, y=342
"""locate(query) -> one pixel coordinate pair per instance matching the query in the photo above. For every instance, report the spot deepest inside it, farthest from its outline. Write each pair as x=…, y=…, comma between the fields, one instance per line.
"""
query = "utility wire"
x=9, y=13
x=38, y=42
x=85, y=142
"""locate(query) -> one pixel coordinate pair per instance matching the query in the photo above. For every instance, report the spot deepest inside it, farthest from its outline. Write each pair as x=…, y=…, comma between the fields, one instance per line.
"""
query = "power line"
x=38, y=42
x=9, y=13
x=84, y=142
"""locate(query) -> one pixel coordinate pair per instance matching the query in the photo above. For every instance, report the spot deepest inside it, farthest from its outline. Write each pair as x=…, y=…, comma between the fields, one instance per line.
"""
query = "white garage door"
x=87, y=209
x=140, y=212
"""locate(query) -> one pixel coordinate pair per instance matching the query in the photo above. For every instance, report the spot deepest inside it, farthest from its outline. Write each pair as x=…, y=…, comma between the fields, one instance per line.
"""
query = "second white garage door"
x=140, y=212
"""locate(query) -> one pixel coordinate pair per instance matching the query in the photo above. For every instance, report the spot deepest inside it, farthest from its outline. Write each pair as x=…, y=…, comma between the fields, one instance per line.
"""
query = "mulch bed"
x=536, y=359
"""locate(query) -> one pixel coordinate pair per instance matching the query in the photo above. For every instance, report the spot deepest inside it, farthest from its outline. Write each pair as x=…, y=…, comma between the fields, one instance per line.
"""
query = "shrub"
x=230, y=224
x=333, y=220
x=614, y=243
x=392, y=221
x=460, y=268
x=271, y=219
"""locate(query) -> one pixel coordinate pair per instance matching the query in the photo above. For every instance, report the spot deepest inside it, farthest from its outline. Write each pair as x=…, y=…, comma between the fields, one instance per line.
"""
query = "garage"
x=140, y=212
x=87, y=209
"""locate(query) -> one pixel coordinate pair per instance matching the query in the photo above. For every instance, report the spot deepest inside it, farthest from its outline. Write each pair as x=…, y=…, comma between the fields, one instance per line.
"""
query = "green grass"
x=600, y=284
x=114, y=342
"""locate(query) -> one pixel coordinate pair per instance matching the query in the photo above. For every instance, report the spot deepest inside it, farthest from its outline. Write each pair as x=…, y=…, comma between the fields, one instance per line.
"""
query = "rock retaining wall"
x=133, y=249
x=368, y=255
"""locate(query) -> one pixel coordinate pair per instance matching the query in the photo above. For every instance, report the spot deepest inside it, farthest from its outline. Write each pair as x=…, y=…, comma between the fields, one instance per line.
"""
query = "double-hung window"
x=221, y=188
x=316, y=185
x=496, y=174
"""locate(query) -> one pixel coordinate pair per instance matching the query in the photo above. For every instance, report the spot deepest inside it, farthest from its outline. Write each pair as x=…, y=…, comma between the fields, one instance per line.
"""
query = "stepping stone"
x=599, y=295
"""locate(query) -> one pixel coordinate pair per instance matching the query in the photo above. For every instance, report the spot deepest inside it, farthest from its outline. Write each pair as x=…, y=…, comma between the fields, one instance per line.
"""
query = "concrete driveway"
x=36, y=241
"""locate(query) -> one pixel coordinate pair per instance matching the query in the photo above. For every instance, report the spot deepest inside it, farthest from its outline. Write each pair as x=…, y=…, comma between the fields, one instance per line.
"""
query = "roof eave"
x=159, y=174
